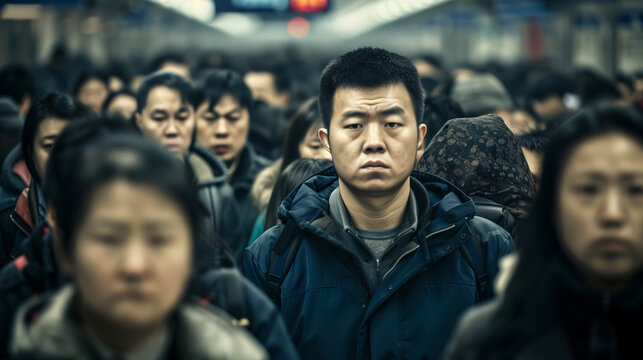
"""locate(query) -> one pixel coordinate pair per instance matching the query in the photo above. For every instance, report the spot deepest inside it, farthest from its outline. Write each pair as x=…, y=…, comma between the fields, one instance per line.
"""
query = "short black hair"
x=535, y=140
x=369, y=67
x=84, y=76
x=53, y=104
x=545, y=87
x=167, y=79
x=16, y=82
x=216, y=83
x=437, y=111
x=280, y=72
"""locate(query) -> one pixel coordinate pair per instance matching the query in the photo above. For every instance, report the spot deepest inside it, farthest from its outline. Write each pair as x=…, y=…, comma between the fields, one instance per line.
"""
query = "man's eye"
x=158, y=240
x=182, y=117
x=587, y=190
x=158, y=118
x=392, y=125
x=232, y=118
x=635, y=190
x=353, y=126
x=108, y=239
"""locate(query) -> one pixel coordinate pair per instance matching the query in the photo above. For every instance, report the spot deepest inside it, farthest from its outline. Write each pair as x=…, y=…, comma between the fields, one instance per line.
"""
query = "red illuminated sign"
x=308, y=6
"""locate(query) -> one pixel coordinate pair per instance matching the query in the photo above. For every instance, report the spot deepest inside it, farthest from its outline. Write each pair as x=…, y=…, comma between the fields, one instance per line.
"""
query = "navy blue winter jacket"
x=324, y=297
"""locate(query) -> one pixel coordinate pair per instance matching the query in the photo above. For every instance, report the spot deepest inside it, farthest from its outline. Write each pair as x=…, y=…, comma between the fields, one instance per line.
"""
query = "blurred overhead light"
x=235, y=24
x=201, y=10
x=21, y=12
x=365, y=17
x=298, y=27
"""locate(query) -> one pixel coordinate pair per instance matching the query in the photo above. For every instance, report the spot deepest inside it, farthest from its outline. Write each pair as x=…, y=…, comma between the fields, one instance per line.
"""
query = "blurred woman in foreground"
x=577, y=290
x=125, y=216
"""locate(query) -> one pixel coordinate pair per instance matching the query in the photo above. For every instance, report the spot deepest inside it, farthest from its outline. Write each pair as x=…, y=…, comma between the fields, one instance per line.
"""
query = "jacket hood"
x=14, y=175
x=206, y=167
x=198, y=332
x=448, y=204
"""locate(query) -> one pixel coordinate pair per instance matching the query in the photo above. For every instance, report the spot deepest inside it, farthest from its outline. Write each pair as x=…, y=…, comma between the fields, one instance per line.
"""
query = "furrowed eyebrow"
x=392, y=111
x=353, y=113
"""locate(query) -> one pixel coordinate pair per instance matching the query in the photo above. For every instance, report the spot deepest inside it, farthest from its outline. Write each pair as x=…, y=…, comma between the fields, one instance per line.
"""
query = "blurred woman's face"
x=93, y=93
x=310, y=147
x=132, y=257
x=600, y=208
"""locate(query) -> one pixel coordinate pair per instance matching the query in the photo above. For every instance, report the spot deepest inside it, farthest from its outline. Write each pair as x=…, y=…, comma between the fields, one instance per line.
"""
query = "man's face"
x=44, y=141
x=262, y=85
x=168, y=119
x=373, y=137
x=600, y=208
x=224, y=131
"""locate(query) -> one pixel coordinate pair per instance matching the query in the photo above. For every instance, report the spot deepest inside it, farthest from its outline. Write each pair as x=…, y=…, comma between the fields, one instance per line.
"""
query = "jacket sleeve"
x=465, y=342
x=268, y=326
x=256, y=258
x=498, y=242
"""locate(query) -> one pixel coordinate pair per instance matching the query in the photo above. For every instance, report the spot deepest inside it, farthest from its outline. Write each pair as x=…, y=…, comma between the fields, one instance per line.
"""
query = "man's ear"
x=421, y=134
x=323, y=136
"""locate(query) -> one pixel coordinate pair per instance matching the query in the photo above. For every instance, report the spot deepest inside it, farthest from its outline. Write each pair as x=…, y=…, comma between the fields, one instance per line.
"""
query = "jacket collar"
x=250, y=163
x=14, y=175
x=447, y=214
x=207, y=168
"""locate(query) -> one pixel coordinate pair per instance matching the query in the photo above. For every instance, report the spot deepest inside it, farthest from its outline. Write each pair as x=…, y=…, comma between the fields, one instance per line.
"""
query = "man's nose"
x=373, y=143
x=221, y=128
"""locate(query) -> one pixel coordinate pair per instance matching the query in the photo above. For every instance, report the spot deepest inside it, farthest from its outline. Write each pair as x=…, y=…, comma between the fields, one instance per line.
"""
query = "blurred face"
x=373, y=137
x=550, y=107
x=44, y=142
x=93, y=93
x=224, y=131
x=167, y=118
x=310, y=147
x=600, y=208
x=262, y=86
x=177, y=68
x=123, y=105
x=132, y=256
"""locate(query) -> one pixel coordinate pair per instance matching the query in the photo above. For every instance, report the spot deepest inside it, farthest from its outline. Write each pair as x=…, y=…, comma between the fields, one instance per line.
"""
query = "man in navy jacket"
x=378, y=273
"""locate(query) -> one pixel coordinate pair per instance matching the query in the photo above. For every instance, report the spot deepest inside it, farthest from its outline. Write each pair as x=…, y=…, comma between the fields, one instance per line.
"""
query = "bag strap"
x=474, y=252
x=282, y=257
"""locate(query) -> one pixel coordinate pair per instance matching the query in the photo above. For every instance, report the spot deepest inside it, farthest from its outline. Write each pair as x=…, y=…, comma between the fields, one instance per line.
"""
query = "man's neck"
x=376, y=212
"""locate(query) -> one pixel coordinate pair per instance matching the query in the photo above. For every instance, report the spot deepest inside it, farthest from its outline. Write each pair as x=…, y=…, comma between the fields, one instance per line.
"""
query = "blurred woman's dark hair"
x=292, y=176
x=307, y=115
x=54, y=104
x=544, y=272
x=90, y=154
x=217, y=83
x=84, y=77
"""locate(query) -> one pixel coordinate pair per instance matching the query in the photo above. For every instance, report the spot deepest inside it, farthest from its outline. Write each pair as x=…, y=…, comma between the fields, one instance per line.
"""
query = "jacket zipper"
x=412, y=250
x=18, y=225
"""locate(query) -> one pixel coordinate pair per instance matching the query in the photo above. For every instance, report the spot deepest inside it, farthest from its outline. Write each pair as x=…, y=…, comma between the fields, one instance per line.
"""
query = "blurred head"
x=593, y=180
x=270, y=84
x=165, y=111
x=533, y=146
x=294, y=174
x=546, y=96
x=481, y=94
x=124, y=213
x=121, y=103
x=371, y=105
x=596, y=89
x=17, y=83
x=302, y=139
x=222, y=103
x=172, y=62
x=49, y=114
x=91, y=88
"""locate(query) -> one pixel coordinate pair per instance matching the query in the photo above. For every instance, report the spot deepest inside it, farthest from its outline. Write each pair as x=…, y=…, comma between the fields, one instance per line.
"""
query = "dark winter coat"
x=325, y=300
x=196, y=332
x=247, y=169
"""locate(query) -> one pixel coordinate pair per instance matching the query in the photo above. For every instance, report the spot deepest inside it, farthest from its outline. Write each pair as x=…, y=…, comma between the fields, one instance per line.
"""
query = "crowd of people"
x=391, y=208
